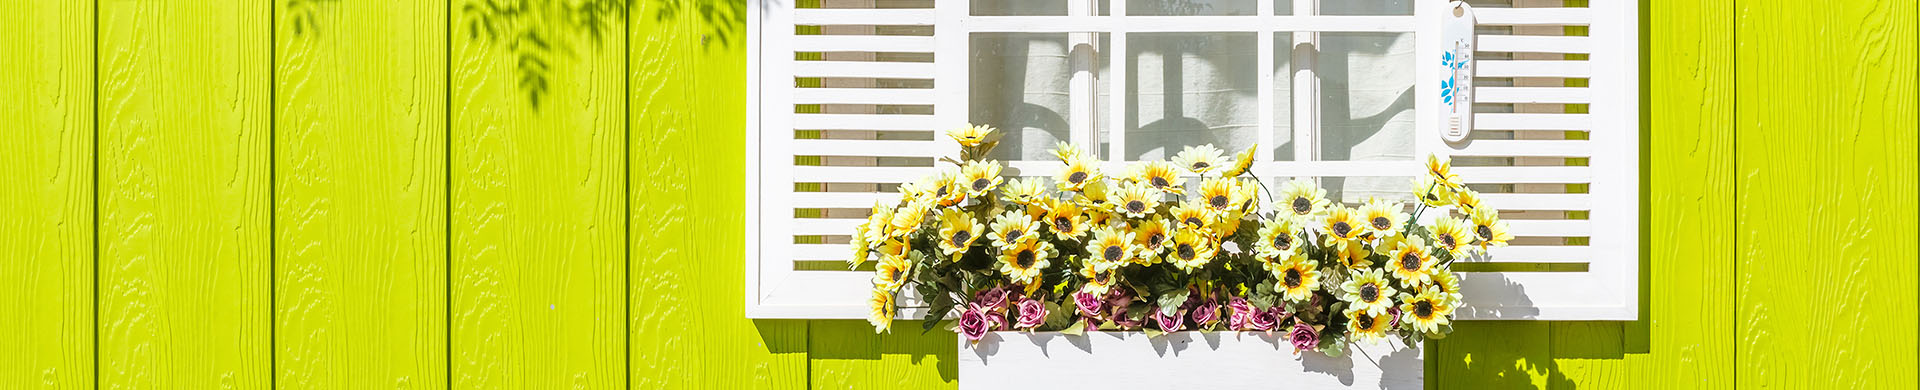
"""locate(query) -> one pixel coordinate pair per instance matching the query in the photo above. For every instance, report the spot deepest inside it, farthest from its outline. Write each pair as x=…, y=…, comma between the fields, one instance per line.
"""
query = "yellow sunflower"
x=1067, y=152
x=1426, y=311
x=1191, y=250
x=1151, y=238
x=895, y=248
x=1366, y=325
x=879, y=223
x=1078, y=174
x=1367, y=290
x=1383, y=218
x=1099, y=276
x=1023, y=261
x=1278, y=239
x=958, y=231
x=1440, y=169
x=1192, y=214
x=1011, y=227
x=1094, y=196
x=980, y=178
x=947, y=191
x=908, y=218
x=1162, y=176
x=1249, y=197
x=1112, y=245
x=1023, y=191
x=1138, y=200
x=1066, y=220
x=1410, y=262
x=1444, y=281
x=1241, y=162
x=1344, y=226
x=1432, y=194
x=1452, y=235
x=1467, y=200
x=860, y=248
x=1199, y=159
x=1227, y=224
x=970, y=135
x=880, y=310
x=1489, y=230
x=1296, y=278
x=1301, y=199
x=1219, y=194
x=891, y=273
x=1354, y=256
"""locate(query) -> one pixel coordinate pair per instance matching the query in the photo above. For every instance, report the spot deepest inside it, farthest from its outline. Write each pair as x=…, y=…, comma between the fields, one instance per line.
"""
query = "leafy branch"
x=538, y=31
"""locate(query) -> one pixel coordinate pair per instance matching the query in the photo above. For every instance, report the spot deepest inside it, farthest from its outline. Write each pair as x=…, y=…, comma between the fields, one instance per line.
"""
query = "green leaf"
x=1078, y=328
x=1170, y=301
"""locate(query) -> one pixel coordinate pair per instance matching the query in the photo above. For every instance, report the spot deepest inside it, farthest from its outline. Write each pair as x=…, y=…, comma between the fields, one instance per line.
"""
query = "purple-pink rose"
x=973, y=324
x=1302, y=337
x=1393, y=312
x=1241, y=309
x=1206, y=313
x=1032, y=314
x=1168, y=323
x=1262, y=320
x=993, y=299
x=1088, y=303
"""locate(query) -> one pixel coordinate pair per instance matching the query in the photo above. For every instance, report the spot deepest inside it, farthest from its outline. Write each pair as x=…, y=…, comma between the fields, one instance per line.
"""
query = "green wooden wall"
x=321, y=194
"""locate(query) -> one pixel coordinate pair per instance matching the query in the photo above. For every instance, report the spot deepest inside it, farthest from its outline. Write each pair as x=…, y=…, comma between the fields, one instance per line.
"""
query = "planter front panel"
x=1131, y=360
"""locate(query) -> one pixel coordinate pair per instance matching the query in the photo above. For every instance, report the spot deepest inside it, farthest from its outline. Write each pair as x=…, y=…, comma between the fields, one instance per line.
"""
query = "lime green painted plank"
x=185, y=242
x=1496, y=355
x=47, y=206
x=360, y=198
x=1826, y=170
x=688, y=106
x=846, y=354
x=539, y=214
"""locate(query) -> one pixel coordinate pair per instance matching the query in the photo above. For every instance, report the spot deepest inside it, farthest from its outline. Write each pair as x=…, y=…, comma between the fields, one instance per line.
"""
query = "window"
x=848, y=99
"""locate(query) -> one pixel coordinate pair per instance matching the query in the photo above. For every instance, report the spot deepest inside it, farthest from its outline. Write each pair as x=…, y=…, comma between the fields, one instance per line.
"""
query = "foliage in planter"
x=1143, y=250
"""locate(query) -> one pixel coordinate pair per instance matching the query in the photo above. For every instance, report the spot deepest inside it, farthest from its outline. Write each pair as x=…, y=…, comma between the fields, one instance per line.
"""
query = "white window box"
x=1179, y=360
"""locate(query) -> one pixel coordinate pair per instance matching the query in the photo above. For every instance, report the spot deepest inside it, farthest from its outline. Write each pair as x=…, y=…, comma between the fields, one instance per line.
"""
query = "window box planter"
x=1131, y=360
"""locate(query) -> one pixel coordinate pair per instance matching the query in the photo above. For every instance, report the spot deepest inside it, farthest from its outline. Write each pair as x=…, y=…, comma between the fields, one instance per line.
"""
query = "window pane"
x=1366, y=104
x=1189, y=7
x=1020, y=7
x=1282, y=97
x=1190, y=89
x=1367, y=7
x=1020, y=84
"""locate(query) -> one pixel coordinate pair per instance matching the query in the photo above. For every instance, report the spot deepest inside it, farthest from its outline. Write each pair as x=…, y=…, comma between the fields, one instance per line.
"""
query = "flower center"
x=1077, y=177
x=1447, y=240
x=1369, y=293
x=1200, y=166
x=1102, y=277
x=1112, y=253
x=1410, y=261
x=1364, y=320
x=940, y=192
x=1486, y=233
x=1159, y=182
x=1302, y=206
x=1062, y=224
x=1136, y=206
x=1283, y=241
x=1024, y=259
x=981, y=184
x=1013, y=235
x=1293, y=278
x=1382, y=223
x=960, y=237
x=1217, y=201
x=1342, y=229
x=1153, y=240
x=1185, y=251
x=893, y=274
x=1423, y=309
x=1195, y=221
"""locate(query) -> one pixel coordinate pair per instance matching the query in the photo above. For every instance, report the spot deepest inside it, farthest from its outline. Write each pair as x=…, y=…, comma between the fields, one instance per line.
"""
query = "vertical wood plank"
x=47, y=207
x=1495, y=355
x=185, y=242
x=360, y=175
x=687, y=90
x=539, y=207
x=1826, y=190
x=846, y=354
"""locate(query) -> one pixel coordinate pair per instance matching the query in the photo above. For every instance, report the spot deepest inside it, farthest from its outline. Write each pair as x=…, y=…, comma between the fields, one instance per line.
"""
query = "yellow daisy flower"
x=1199, y=159
x=1367, y=290
x=1452, y=235
x=1227, y=224
x=1023, y=191
x=1383, y=218
x=1078, y=174
x=958, y=231
x=1112, y=245
x=1427, y=311
x=1219, y=194
x=1066, y=220
x=1296, y=278
x=1094, y=196
x=860, y=248
x=1241, y=163
x=879, y=223
x=895, y=248
x=1344, y=226
x=1467, y=200
x=1099, y=276
x=947, y=191
x=1278, y=239
x=908, y=219
x=1448, y=284
x=1410, y=262
x=1162, y=176
x=880, y=310
x=1067, y=152
x=1011, y=227
x=1191, y=249
x=1023, y=260
x=970, y=135
x=1366, y=325
x=1301, y=199
x=1354, y=256
x=1138, y=200
x=1249, y=197
x=980, y=178
x=1489, y=230
x=1192, y=214
x=1440, y=169
x=1432, y=194
x=1151, y=239
x=891, y=273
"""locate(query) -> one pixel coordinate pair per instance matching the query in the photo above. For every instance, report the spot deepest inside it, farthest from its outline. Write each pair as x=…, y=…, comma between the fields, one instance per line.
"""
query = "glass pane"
x=1190, y=89
x=1367, y=7
x=1282, y=97
x=1020, y=84
x=1020, y=7
x=1366, y=104
x=1189, y=7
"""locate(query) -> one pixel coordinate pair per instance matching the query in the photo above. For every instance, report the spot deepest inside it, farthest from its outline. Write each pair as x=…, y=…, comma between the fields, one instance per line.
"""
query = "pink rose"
x=973, y=324
x=1241, y=309
x=995, y=320
x=1393, y=312
x=1302, y=337
x=1088, y=303
x=1262, y=320
x=993, y=299
x=1168, y=323
x=1032, y=314
x=1206, y=313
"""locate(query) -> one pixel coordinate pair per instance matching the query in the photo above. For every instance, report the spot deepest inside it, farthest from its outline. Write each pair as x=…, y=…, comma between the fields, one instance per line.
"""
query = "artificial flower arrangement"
x=1142, y=250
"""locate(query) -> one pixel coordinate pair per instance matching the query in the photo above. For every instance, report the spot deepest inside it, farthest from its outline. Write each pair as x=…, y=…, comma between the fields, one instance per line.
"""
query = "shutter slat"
x=825, y=251
x=1526, y=148
x=862, y=96
x=819, y=174
x=1490, y=16
x=1533, y=68
x=1525, y=95
x=1487, y=121
x=1533, y=201
x=1535, y=44
x=884, y=70
x=1523, y=175
x=854, y=16
x=828, y=226
x=843, y=200
x=1520, y=228
x=865, y=122
x=1511, y=254
x=875, y=148
x=862, y=43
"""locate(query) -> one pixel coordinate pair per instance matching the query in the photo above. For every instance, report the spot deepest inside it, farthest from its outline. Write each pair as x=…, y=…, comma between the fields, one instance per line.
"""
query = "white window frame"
x=775, y=290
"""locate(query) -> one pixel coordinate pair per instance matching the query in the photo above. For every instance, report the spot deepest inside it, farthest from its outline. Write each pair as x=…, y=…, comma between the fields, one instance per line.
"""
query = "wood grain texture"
x=687, y=77
x=1496, y=355
x=1826, y=194
x=846, y=354
x=360, y=214
x=185, y=204
x=539, y=215
x=47, y=207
